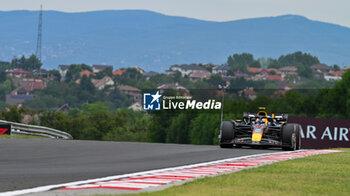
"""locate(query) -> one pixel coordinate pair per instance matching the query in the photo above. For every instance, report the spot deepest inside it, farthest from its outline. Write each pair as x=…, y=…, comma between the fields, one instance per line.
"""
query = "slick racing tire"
x=290, y=133
x=227, y=133
x=298, y=137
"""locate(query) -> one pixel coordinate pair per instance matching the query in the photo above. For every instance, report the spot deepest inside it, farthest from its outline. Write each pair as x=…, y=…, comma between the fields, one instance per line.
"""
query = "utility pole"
x=38, y=42
x=223, y=88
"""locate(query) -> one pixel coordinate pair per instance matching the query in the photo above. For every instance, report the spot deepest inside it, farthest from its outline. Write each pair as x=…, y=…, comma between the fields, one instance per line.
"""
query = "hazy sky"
x=333, y=11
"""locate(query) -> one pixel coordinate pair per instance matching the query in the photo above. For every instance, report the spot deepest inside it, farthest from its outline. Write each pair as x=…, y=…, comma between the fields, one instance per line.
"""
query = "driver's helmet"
x=260, y=121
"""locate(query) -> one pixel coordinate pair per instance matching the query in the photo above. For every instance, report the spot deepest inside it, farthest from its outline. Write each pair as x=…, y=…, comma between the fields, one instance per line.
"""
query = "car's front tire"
x=227, y=134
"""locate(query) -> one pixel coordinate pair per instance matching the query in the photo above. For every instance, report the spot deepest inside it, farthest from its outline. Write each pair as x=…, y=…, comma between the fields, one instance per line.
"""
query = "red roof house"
x=119, y=72
x=254, y=69
x=18, y=72
x=274, y=77
x=86, y=73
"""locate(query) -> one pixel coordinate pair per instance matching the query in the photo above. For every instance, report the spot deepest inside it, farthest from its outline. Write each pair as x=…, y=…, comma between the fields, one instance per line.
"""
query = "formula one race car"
x=260, y=130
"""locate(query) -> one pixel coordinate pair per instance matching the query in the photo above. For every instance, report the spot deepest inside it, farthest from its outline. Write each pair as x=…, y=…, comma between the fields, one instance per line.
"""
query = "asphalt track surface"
x=28, y=163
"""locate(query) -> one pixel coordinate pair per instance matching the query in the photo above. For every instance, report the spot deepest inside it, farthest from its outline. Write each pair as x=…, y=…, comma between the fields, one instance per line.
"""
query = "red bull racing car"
x=260, y=129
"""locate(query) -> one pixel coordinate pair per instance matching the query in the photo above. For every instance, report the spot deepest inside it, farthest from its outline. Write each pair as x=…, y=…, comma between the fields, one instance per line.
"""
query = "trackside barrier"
x=34, y=130
x=318, y=133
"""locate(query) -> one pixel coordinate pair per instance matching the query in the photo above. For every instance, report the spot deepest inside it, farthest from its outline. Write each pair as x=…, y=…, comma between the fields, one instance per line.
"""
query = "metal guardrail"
x=34, y=130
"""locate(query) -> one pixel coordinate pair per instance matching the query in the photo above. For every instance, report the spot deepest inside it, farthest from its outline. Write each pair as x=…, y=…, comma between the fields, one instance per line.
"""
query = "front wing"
x=271, y=137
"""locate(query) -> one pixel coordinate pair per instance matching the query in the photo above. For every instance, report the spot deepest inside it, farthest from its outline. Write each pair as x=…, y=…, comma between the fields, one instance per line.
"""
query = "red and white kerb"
x=164, y=177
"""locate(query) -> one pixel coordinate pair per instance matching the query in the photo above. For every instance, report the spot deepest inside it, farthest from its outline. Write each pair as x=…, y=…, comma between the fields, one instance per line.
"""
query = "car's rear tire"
x=290, y=133
x=298, y=135
x=227, y=134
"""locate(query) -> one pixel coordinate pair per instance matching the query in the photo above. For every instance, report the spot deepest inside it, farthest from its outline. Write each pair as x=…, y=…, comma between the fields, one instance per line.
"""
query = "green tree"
x=216, y=80
x=106, y=72
x=160, y=122
x=14, y=114
x=242, y=61
x=179, y=129
x=86, y=84
x=30, y=63
x=255, y=63
x=55, y=73
x=73, y=72
x=101, y=123
x=303, y=59
x=203, y=129
x=33, y=63
x=336, y=67
x=89, y=109
x=2, y=76
x=4, y=66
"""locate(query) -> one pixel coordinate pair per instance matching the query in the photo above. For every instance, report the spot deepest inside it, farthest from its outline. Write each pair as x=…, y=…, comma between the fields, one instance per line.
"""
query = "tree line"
x=302, y=61
x=95, y=121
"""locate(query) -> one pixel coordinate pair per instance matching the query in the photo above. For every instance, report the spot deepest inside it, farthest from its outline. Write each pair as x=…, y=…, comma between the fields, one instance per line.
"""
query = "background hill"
x=155, y=41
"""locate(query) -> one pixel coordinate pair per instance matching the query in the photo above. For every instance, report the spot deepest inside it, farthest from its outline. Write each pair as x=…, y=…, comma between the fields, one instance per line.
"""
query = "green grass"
x=19, y=136
x=327, y=174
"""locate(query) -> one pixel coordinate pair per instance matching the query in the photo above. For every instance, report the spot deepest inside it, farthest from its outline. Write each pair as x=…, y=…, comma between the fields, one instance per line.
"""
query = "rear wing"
x=252, y=116
x=281, y=117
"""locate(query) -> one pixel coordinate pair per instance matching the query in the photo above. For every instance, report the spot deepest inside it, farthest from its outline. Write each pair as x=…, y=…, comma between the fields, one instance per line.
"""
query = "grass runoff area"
x=20, y=136
x=327, y=174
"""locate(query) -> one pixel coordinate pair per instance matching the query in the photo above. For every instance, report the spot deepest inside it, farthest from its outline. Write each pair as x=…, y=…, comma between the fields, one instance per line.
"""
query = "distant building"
x=289, y=71
x=19, y=95
x=16, y=100
x=40, y=72
x=136, y=106
x=258, y=77
x=334, y=76
x=63, y=69
x=321, y=68
x=227, y=79
x=102, y=83
x=254, y=70
x=98, y=68
x=29, y=87
x=200, y=75
x=338, y=73
x=63, y=108
x=132, y=93
x=86, y=73
x=274, y=77
x=223, y=69
x=138, y=69
x=248, y=93
x=240, y=74
x=271, y=70
x=27, y=118
x=330, y=77
x=119, y=72
x=185, y=70
x=19, y=73
x=150, y=74
x=175, y=86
